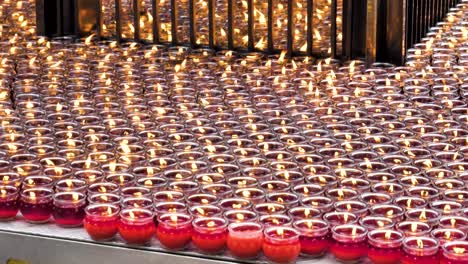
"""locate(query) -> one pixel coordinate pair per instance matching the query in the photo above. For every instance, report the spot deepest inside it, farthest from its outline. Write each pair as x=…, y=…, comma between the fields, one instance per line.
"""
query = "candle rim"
x=452, y=255
x=116, y=197
x=149, y=215
x=430, y=250
x=90, y=207
x=363, y=221
x=443, y=230
x=359, y=237
x=196, y=223
x=166, y=219
x=45, y=192
x=273, y=229
x=58, y=196
x=387, y=243
x=233, y=226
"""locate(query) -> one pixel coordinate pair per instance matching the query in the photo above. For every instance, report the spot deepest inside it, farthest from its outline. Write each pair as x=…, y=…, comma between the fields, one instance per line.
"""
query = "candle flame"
x=420, y=243
x=280, y=231
x=354, y=231
x=211, y=224
x=388, y=235
x=458, y=250
x=75, y=197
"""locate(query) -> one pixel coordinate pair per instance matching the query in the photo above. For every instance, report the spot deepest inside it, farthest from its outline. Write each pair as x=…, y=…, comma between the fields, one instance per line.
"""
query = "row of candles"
x=282, y=238
x=244, y=152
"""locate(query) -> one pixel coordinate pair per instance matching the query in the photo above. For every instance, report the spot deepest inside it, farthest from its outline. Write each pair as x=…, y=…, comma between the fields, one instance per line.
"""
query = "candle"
x=105, y=198
x=69, y=208
x=358, y=208
x=314, y=236
x=340, y=218
x=458, y=222
x=36, y=204
x=174, y=230
x=101, y=221
x=209, y=234
x=281, y=244
x=8, y=202
x=245, y=239
x=349, y=242
x=424, y=215
x=136, y=225
x=239, y=216
x=205, y=211
x=385, y=246
x=455, y=252
x=103, y=187
x=413, y=228
x=137, y=202
x=445, y=235
x=71, y=185
x=420, y=250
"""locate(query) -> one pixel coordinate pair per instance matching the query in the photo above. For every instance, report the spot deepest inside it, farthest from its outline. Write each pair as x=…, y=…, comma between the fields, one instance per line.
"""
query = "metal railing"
x=374, y=29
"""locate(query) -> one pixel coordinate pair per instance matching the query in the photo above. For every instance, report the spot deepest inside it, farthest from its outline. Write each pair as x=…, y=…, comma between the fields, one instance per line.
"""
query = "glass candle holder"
x=137, y=202
x=10, y=178
x=393, y=212
x=136, y=226
x=240, y=215
x=340, y=218
x=358, y=208
x=321, y=203
x=105, y=198
x=101, y=221
x=445, y=235
x=269, y=208
x=174, y=230
x=385, y=246
x=170, y=207
x=36, y=204
x=69, y=208
x=135, y=191
x=167, y=196
x=103, y=187
x=424, y=215
x=349, y=242
x=245, y=239
x=454, y=252
x=205, y=211
x=314, y=236
x=8, y=202
x=417, y=249
x=209, y=234
x=408, y=203
x=413, y=228
x=457, y=222
x=281, y=244
x=376, y=222
x=372, y=199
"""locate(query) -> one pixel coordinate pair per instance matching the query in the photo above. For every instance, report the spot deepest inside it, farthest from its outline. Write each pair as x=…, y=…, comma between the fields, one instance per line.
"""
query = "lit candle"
x=101, y=221
x=281, y=244
x=36, y=204
x=209, y=234
x=455, y=252
x=420, y=250
x=8, y=202
x=349, y=242
x=314, y=237
x=174, y=230
x=69, y=208
x=385, y=246
x=136, y=225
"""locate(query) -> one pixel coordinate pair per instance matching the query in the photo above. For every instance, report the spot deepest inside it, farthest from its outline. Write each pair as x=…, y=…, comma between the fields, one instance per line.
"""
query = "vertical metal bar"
x=136, y=19
x=193, y=40
x=118, y=22
x=156, y=24
x=333, y=30
x=212, y=23
x=290, y=33
x=270, y=43
x=250, y=25
x=347, y=29
x=59, y=17
x=99, y=21
x=230, y=33
x=174, y=26
x=371, y=31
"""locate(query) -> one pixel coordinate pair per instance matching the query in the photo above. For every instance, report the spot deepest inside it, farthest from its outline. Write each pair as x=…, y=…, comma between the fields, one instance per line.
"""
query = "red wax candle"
x=174, y=230
x=446, y=235
x=167, y=196
x=136, y=225
x=420, y=250
x=314, y=236
x=376, y=222
x=340, y=218
x=102, y=187
x=105, y=198
x=245, y=239
x=384, y=246
x=69, y=208
x=413, y=228
x=8, y=202
x=205, y=210
x=141, y=202
x=238, y=216
x=210, y=234
x=455, y=252
x=101, y=221
x=281, y=244
x=36, y=204
x=349, y=242
x=71, y=185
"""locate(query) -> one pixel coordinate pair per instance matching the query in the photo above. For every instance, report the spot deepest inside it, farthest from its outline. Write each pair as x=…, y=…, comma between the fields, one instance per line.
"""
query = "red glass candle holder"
x=135, y=191
x=136, y=226
x=390, y=188
x=445, y=235
x=245, y=239
x=285, y=198
x=424, y=215
x=413, y=228
x=71, y=185
x=446, y=208
x=408, y=202
x=349, y=242
x=69, y=208
x=321, y=203
x=37, y=182
x=458, y=222
x=420, y=250
x=302, y=212
x=174, y=230
x=167, y=196
x=281, y=244
x=340, y=218
x=90, y=176
x=101, y=221
x=170, y=207
x=209, y=234
x=341, y=194
x=269, y=208
x=36, y=204
x=137, y=202
x=372, y=199
x=105, y=198
x=205, y=211
x=254, y=195
x=103, y=187
x=10, y=178
x=8, y=202
x=274, y=186
x=384, y=246
x=314, y=236
x=376, y=222
x=459, y=196
x=201, y=199
x=427, y=193
x=358, y=208
x=155, y=184
x=324, y=180
x=391, y=211
x=455, y=252
x=239, y=216
x=121, y=179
